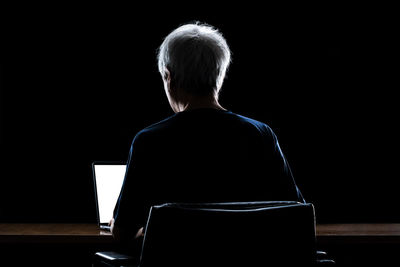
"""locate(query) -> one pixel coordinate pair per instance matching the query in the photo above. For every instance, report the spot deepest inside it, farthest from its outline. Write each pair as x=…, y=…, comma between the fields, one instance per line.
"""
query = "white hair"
x=197, y=58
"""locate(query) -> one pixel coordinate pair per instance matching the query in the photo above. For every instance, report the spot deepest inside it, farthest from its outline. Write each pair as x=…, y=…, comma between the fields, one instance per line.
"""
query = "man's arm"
x=279, y=169
x=116, y=231
x=130, y=213
x=284, y=165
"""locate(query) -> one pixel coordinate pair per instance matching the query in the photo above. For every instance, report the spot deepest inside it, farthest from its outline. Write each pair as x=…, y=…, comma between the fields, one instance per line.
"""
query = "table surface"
x=91, y=233
x=49, y=232
x=358, y=233
x=376, y=229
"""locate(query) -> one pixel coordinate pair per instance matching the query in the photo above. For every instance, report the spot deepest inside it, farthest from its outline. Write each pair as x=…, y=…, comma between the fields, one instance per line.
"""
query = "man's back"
x=203, y=155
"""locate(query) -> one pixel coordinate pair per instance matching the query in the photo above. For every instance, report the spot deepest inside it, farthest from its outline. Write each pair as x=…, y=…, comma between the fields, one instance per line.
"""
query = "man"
x=203, y=153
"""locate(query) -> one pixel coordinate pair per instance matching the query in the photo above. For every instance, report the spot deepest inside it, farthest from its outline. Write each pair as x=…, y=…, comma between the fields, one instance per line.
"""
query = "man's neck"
x=200, y=102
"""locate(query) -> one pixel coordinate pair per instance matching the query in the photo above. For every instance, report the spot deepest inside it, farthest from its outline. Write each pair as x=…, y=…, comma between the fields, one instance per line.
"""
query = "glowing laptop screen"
x=109, y=180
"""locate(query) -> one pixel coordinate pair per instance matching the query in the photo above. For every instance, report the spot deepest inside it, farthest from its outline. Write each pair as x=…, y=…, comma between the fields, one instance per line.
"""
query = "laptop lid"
x=108, y=178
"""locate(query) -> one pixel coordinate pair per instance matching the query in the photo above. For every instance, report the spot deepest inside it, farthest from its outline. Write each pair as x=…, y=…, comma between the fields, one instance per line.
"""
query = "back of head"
x=197, y=58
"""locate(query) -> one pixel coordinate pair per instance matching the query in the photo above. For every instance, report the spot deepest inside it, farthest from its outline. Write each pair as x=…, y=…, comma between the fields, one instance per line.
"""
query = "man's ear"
x=167, y=75
x=168, y=80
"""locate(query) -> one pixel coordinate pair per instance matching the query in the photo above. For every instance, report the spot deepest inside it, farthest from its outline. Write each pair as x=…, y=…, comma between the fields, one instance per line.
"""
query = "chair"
x=274, y=233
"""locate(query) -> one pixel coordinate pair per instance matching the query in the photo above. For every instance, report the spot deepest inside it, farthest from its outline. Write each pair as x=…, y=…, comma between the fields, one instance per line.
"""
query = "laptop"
x=108, y=178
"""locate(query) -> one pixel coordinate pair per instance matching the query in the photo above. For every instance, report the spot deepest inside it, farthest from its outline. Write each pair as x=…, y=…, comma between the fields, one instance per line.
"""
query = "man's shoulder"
x=260, y=126
x=159, y=125
x=155, y=128
x=228, y=118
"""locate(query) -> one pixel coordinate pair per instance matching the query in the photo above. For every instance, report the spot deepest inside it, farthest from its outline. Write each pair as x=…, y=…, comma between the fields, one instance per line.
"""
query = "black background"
x=78, y=82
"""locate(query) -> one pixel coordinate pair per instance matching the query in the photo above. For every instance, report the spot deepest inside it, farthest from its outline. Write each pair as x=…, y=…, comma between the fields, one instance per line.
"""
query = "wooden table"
x=90, y=233
x=53, y=233
x=358, y=233
x=52, y=244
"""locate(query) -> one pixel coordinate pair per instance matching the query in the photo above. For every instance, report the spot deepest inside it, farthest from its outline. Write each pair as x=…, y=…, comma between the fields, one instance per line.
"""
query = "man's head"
x=193, y=59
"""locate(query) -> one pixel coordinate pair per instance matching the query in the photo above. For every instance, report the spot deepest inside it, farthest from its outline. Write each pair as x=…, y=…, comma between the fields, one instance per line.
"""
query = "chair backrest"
x=275, y=233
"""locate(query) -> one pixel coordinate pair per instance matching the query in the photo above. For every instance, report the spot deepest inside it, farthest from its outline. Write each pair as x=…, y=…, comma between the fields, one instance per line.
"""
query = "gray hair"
x=197, y=57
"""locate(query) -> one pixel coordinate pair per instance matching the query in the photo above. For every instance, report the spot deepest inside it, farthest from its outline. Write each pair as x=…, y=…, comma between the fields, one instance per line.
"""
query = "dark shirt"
x=202, y=155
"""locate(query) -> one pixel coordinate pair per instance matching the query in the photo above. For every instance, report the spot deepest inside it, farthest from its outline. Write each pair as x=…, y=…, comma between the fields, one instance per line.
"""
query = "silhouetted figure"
x=203, y=153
